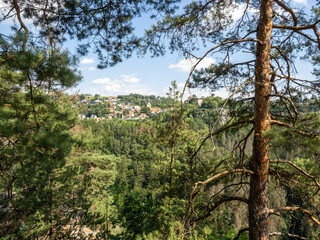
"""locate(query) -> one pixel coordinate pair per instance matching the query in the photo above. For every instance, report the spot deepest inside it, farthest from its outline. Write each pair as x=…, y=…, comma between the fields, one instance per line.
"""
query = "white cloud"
x=233, y=12
x=238, y=11
x=181, y=85
x=114, y=87
x=199, y=92
x=92, y=69
x=140, y=89
x=124, y=85
x=87, y=61
x=301, y=1
x=102, y=81
x=129, y=78
x=109, y=85
x=186, y=65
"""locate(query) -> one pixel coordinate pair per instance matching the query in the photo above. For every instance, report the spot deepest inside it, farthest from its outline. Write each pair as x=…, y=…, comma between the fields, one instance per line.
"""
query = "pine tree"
x=273, y=34
x=35, y=130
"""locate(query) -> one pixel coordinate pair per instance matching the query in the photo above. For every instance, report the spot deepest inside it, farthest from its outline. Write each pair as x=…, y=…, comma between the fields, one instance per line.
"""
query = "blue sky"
x=141, y=75
x=136, y=75
x=151, y=75
x=144, y=75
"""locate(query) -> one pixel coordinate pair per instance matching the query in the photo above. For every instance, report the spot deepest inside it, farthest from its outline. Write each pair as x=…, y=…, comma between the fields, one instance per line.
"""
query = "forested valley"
x=132, y=179
x=74, y=166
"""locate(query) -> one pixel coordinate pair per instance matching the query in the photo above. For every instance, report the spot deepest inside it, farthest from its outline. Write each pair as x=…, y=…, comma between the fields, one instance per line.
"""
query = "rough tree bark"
x=259, y=163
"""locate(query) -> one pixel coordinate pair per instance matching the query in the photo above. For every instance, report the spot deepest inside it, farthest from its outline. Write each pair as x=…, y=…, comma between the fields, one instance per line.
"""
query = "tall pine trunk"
x=259, y=163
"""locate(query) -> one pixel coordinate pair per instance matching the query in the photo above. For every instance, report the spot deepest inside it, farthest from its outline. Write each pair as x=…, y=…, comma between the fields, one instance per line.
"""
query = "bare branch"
x=273, y=234
x=297, y=209
x=296, y=28
x=288, y=9
x=209, y=51
x=217, y=132
x=7, y=15
x=244, y=141
x=214, y=206
x=286, y=105
x=230, y=185
x=240, y=232
x=316, y=32
x=219, y=175
x=194, y=193
x=300, y=170
x=316, y=89
x=224, y=104
x=16, y=6
x=288, y=68
x=294, y=119
x=32, y=100
x=302, y=132
x=298, y=82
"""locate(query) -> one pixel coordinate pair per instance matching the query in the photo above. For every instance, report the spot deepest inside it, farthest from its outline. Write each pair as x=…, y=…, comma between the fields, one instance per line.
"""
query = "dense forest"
x=245, y=167
x=124, y=179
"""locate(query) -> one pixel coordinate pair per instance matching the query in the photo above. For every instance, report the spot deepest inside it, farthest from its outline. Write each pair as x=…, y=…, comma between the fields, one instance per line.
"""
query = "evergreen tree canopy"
x=104, y=26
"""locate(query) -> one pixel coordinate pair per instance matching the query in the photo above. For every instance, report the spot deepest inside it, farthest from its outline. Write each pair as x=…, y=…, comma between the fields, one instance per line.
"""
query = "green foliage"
x=32, y=155
x=145, y=109
x=35, y=135
x=140, y=100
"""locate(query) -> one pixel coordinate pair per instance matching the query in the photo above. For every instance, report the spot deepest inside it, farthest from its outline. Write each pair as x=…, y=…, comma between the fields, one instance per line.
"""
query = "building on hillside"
x=130, y=114
x=143, y=115
x=199, y=102
x=224, y=116
x=137, y=108
x=82, y=117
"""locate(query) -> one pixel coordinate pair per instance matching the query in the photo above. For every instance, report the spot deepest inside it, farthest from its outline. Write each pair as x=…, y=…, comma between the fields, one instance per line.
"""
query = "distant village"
x=102, y=108
x=137, y=107
x=114, y=108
